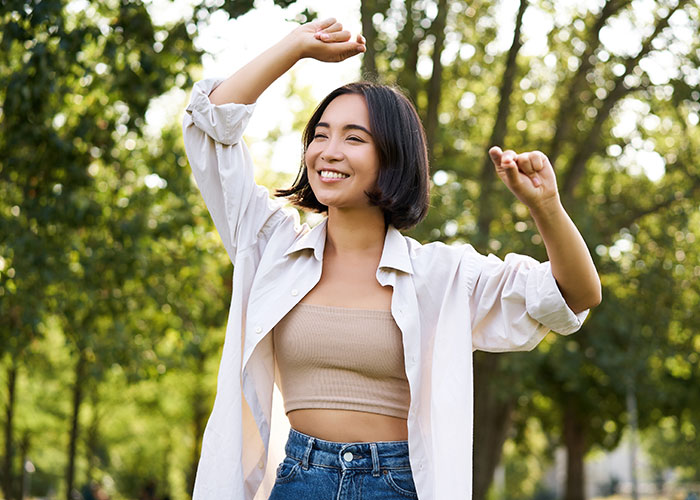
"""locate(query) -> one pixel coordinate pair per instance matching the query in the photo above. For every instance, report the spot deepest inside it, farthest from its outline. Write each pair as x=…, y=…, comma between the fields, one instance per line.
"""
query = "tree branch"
x=563, y=122
x=638, y=213
x=589, y=145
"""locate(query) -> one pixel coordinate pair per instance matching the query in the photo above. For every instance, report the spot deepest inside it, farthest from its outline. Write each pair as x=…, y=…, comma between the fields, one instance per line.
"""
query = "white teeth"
x=327, y=174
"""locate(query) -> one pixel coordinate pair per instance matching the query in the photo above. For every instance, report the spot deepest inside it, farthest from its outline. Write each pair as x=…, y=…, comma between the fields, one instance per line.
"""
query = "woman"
x=368, y=333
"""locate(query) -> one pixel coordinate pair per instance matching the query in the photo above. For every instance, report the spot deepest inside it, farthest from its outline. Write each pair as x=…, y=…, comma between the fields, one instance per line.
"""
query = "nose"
x=331, y=151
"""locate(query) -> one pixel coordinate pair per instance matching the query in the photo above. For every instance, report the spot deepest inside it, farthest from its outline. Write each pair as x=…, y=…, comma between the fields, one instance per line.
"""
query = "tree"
x=574, y=104
x=76, y=87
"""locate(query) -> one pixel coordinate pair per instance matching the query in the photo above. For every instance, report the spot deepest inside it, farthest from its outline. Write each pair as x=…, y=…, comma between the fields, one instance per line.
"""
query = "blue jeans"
x=315, y=469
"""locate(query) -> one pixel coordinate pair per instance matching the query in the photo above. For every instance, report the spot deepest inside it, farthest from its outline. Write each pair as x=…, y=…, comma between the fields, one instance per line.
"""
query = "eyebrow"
x=350, y=126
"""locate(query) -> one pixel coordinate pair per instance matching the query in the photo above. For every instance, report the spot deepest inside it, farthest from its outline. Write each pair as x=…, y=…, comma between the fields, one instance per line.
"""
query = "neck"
x=356, y=230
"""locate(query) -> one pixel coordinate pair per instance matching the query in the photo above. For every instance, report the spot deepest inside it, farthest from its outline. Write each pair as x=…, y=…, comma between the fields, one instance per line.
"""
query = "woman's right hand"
x=325, y=40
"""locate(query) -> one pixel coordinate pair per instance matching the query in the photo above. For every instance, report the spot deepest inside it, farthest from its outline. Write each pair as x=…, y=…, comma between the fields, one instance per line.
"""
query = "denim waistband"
x=356, y=456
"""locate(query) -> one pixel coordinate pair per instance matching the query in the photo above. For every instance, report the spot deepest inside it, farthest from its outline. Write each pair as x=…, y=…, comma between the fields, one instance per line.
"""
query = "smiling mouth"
x=329, y=174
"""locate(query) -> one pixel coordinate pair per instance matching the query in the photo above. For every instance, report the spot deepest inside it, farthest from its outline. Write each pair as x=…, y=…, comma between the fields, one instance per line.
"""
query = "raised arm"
x=322, y=40
x=216, y=117
x=531, y=178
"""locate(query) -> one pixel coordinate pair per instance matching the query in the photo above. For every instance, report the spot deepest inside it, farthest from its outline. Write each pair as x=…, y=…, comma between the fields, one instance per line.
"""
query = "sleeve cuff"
x=546, y=304
x=224, y=123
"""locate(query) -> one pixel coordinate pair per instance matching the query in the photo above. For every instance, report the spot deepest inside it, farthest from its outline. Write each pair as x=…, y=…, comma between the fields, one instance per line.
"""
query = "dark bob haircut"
x=403, y=183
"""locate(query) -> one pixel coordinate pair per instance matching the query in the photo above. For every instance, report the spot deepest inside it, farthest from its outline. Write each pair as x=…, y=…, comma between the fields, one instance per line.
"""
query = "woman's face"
x=342, y=162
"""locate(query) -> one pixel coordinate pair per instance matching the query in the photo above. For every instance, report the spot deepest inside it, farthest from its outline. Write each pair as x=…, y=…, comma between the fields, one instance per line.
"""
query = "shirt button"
x=258, y=329
x=347, y=456
x=295, y=292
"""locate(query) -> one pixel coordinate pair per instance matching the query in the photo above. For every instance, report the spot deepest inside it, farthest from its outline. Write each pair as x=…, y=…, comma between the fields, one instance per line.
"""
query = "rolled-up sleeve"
x=224, y=123
x=515, y=302
x=223, y=168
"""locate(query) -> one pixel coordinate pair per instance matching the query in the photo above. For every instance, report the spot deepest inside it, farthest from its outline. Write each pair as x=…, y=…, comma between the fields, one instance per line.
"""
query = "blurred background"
x=114, y=286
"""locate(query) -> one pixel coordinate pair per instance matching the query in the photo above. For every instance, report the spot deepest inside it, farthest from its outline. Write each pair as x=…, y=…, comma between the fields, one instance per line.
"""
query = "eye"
x=355, y=138
x=318, y=135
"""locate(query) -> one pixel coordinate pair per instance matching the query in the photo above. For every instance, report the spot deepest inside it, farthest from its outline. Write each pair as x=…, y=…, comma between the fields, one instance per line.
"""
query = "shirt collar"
x=315, y=240
x=394, y=254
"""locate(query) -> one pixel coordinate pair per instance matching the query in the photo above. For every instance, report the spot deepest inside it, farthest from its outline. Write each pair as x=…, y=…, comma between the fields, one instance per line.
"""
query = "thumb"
x=496, y=153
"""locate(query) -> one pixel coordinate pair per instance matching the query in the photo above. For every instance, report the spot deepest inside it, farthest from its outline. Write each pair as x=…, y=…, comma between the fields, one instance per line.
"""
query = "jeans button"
x=347, y=456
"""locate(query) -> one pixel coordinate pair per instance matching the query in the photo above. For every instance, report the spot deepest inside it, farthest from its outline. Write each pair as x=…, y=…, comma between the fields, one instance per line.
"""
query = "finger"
x=530, y=164
x=340, y=36
x=361, y=39
x=336, y=52
x=512, y=173
x=524, y=162
x=322, y=25
x=538, y=160
x=509, y=156
x=348, y=49
x=330, y=29
x=495, y=153
x=333, y=28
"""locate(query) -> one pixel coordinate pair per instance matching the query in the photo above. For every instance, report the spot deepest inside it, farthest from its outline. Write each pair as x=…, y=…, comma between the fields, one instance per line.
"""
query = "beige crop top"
x=340, y=358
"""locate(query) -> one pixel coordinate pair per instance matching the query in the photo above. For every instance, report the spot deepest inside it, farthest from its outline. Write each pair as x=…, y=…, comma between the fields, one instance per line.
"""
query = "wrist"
x=547, y=209
x=292, y=46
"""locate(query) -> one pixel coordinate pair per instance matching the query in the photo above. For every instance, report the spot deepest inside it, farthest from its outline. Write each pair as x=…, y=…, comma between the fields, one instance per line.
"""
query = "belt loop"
x=307, y=454
x=375, y=459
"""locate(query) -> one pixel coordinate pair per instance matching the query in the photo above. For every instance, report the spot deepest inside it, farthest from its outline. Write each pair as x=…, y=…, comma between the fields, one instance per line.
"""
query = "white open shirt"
x=447, y=300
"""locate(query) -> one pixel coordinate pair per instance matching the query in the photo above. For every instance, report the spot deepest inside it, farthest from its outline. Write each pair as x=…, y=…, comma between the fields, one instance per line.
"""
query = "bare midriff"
x=348, y=426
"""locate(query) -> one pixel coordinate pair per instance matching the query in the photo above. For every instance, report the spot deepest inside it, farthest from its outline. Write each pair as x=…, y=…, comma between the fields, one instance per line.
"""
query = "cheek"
x=310, y=155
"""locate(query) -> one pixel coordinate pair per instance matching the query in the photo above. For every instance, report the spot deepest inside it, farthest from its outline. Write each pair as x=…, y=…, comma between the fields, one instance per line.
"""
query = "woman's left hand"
x=529, y=176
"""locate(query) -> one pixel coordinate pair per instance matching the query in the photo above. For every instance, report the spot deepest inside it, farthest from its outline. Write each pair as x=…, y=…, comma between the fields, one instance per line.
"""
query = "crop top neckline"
x=347, y=310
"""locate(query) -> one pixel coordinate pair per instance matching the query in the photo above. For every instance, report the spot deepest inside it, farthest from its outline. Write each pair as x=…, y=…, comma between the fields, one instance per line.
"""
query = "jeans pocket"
x=401, y=481
x=287, y=470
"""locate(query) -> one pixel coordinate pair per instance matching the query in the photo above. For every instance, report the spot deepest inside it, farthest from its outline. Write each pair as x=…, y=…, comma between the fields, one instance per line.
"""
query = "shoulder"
x=437, y=262
x=439, y=253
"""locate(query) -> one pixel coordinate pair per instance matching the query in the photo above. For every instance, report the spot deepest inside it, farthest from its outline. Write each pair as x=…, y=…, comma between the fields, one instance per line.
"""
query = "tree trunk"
x=24, y=474
x=92, y=440
x=7, y=475
x=77, y=400
x=492, y=415
x=500, y=127
x=435, y=83
x=369, y=63
x=492, y=418
x=575, y=442
x=408, y=77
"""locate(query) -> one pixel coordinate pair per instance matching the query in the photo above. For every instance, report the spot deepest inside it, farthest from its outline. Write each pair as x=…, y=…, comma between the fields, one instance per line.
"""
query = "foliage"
x=619, y=126
x=114, y=287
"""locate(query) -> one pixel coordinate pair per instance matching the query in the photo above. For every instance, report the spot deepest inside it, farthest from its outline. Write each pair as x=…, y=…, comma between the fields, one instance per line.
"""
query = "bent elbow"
x=596, y=295
x=592, y=299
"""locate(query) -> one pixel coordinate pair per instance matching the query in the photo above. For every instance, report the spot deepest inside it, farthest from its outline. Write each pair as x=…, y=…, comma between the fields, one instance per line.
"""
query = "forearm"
x=246, y=84
x=572, y=265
